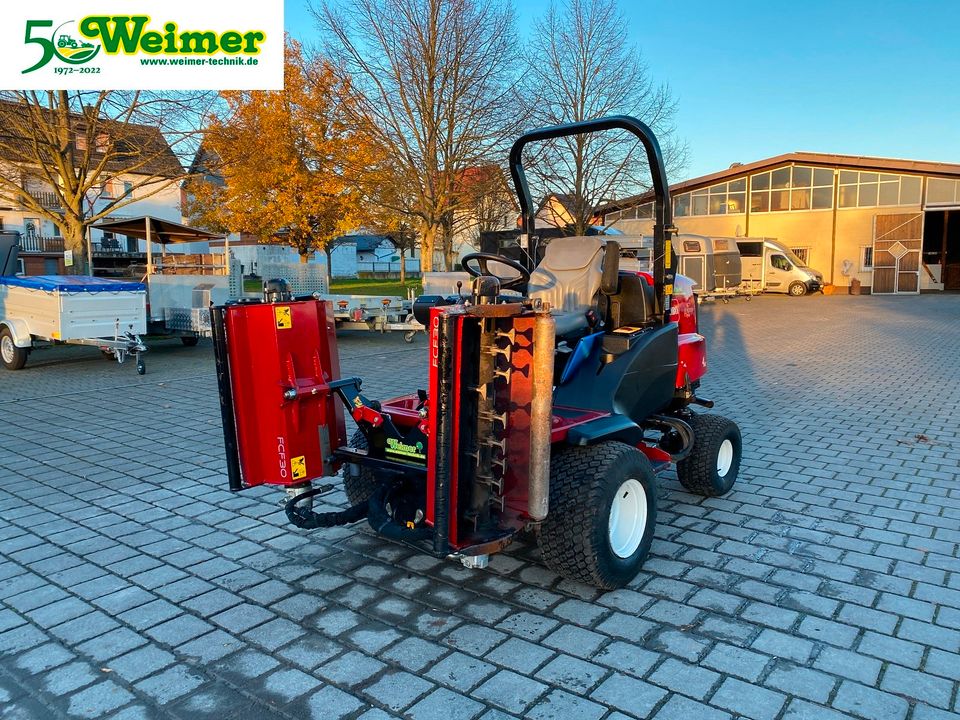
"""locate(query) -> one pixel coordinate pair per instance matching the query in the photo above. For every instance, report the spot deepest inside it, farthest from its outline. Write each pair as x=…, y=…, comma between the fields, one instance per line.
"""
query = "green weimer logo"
x=129, y=35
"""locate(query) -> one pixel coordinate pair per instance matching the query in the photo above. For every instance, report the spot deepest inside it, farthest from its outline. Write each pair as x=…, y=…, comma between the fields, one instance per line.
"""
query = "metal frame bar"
x=663, y=229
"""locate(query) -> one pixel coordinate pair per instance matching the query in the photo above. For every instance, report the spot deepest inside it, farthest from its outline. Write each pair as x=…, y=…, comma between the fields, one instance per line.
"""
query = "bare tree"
x=436, y=85
x=75, y=157
x=581, y=65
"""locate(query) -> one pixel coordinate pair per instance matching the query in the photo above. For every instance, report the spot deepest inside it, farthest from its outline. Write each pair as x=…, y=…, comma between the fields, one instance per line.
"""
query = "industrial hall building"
x=892, y=224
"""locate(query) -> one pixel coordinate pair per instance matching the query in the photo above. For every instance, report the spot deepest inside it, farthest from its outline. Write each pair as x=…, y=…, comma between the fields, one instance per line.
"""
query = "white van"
x=768, y=265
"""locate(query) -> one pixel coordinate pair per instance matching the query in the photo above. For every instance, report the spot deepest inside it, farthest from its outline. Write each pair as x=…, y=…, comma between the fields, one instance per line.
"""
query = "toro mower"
x=548, y=409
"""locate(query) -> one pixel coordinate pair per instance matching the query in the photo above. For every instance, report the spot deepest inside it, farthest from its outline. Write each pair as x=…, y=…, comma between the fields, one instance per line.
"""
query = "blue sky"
x=755, y=79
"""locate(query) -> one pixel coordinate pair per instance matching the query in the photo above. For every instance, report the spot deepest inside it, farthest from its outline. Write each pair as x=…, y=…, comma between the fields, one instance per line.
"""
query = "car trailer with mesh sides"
x=549, y=412
x=71, y=310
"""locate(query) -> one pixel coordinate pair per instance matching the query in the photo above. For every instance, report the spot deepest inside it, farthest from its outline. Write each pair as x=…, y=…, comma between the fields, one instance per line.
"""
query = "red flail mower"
x=549, y=409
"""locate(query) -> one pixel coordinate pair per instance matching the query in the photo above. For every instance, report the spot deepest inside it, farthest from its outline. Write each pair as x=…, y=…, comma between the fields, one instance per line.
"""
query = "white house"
x=154, y=189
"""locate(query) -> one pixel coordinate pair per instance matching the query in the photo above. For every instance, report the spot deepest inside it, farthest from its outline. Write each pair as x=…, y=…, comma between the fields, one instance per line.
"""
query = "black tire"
x=359, y=482
x=699, y=472
x=575, y=539
x=797, y=289
x=189, y=340
x=12, y=357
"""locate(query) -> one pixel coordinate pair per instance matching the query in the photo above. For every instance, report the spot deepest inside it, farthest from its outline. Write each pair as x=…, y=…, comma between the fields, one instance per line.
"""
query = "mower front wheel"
x=359, y=481
x=711, y=467
x=603, y=509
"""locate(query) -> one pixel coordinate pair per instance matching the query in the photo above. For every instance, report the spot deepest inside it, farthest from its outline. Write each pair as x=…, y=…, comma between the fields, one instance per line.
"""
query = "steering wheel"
x=506, y=283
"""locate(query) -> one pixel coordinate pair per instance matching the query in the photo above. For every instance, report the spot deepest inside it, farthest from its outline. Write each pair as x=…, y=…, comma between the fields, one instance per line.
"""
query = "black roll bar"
x=664, y=260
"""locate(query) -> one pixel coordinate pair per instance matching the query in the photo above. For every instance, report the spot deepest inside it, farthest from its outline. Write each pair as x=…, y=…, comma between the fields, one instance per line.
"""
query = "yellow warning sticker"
x=667, y=253
x=298, y=468
x=668, y=289
x=283, y=316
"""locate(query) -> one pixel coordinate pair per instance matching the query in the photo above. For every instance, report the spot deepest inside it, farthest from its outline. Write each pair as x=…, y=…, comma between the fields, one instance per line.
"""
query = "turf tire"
x=575, y=539
x=698, y=472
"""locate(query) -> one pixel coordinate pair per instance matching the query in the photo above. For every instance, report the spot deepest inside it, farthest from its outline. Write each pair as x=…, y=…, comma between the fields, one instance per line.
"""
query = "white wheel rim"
x=6, y=349
x=628, y=518
x=724, y=458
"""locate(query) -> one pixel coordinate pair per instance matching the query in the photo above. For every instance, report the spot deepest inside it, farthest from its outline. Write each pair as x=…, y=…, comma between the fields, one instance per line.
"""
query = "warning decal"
x=283, y=316
x=298, y=465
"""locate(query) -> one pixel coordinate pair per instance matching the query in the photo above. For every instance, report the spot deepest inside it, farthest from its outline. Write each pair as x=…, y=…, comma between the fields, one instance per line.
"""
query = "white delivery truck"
x=767, y=265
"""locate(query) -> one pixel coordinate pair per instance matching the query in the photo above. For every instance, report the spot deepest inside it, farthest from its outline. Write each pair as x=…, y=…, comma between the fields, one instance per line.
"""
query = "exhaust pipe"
x=541, y=416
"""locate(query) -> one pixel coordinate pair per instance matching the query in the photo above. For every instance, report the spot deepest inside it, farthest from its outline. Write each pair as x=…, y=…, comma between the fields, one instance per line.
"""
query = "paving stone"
x=571, y=673
x=210, y=647
x=442, y=704
x=310, y=651
x=415, y=654
x=350, y=669
x=509, y=691
x=289, y=683
x=66, y=679
x=398, y=689
x=681, y=708
x=460, y=671
x=560, y=705
x=784, y=646
x=803, y=710
x=803, y=682
x=748, y=700
x=170, y=684
x=520, y=655
x=242, y=617
x=690, y=680
x=330, y=703
x=929, y=689
x=868, y=703
x=98, y=700
x=141, y=662
x=628, y=694
x=736, y=661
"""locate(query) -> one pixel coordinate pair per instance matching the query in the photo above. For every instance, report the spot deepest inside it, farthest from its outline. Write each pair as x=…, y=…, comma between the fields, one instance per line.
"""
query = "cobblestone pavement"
x=133, y=584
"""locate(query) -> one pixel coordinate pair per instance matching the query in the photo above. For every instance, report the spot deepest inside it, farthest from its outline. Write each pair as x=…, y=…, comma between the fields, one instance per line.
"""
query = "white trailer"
x=71, y=309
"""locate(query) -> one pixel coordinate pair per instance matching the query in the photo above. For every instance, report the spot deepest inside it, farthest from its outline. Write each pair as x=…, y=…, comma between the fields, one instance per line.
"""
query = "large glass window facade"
x=727, y=198
x=639, y=212
x=792, y=188
x=941, y=191
x=871, y=189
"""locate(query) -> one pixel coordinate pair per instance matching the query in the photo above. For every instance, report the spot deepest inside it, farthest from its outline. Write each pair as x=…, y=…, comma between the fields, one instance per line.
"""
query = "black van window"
x=780, y=262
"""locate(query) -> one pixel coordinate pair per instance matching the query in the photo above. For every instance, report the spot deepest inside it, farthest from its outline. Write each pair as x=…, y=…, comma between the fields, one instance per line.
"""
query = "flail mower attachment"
x=456, y=469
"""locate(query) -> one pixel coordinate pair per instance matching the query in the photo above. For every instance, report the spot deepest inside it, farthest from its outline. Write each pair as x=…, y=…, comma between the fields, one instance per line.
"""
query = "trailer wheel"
x=797, y=289
x=603, y=509
x=13, y=357
x=359, y=482
x=711, y=467
x=189, y=340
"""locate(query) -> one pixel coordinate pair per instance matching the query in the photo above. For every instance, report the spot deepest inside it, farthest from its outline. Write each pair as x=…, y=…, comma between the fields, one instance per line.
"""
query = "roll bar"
x=664, y=260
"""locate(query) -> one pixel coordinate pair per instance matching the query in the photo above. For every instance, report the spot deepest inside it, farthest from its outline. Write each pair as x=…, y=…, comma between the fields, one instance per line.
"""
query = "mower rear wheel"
x=359, y=481
x=603, y=509
x=711, y=467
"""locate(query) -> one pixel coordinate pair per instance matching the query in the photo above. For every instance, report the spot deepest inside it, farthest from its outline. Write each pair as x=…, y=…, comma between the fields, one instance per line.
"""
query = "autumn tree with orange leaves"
x=282, y=165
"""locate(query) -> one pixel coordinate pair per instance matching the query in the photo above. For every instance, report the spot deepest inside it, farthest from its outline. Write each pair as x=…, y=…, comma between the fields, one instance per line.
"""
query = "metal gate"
x=897, y=242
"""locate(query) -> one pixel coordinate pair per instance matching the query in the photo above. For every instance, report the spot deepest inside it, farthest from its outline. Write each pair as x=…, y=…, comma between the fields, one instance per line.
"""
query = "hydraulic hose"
x=310, y=520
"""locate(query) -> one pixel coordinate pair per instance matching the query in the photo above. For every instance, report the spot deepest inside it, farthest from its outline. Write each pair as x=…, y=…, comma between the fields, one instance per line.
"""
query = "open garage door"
x=897, y=241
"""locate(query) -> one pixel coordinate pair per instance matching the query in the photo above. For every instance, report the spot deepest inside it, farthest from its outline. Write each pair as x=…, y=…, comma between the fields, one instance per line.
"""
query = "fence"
x=40, y=244
x=386, y=268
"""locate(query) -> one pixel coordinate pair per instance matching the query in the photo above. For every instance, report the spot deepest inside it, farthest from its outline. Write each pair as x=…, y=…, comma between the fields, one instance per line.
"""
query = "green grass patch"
x=374, y=286
x=355, y=286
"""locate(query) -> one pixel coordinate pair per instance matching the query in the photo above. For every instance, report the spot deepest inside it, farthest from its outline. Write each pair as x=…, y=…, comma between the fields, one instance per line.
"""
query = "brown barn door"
x=897, y=242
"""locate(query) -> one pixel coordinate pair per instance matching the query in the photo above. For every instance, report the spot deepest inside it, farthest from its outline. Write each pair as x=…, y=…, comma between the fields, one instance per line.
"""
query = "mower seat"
x=568, y=278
